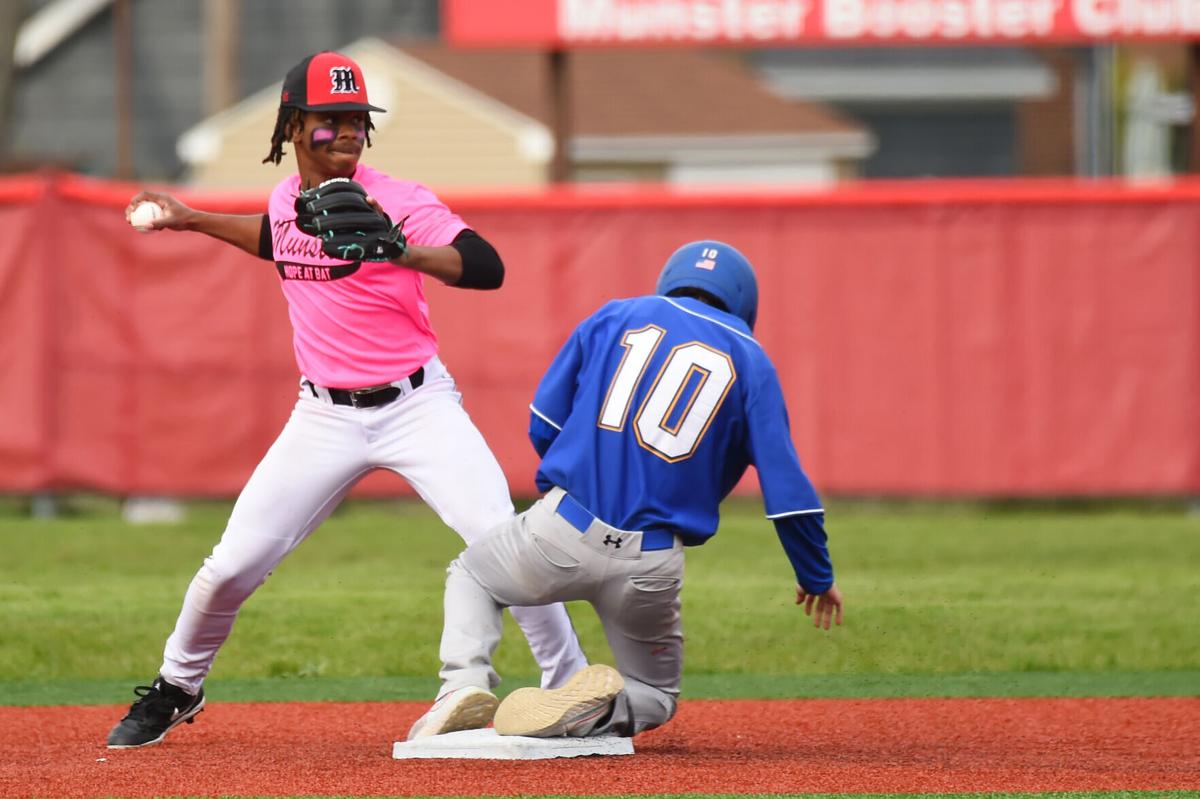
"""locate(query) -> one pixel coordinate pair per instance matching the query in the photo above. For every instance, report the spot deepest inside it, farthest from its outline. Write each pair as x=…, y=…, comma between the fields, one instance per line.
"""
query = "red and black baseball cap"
x=326, y=81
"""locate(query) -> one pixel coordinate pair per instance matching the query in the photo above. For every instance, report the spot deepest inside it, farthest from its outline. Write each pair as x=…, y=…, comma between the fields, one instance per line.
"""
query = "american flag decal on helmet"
x=708, y=259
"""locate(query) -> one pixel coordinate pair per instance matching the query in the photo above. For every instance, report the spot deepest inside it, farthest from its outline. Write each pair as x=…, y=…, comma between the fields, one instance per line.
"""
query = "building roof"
x=482, y=118
x=637, y=92
x=907, y=74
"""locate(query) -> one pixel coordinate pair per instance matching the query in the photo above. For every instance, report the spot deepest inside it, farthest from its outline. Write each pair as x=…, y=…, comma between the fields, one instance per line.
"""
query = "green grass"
x=695, y=686
x=941, y=600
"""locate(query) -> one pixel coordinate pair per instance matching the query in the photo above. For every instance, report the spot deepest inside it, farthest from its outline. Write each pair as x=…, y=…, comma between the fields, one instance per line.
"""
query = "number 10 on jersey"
x=687, y=392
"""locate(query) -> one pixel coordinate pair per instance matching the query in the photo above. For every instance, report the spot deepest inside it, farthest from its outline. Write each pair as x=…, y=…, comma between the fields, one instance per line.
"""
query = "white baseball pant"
x=539, y=557
x=427, y=438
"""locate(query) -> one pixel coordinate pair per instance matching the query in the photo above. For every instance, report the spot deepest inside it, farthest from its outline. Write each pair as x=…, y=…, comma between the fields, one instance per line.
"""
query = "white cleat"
x=549, y=713
x=468, y=708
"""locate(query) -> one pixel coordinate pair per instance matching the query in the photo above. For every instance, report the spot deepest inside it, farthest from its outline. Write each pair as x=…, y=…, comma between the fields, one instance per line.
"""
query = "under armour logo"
x=616, y=542
x=343, y=81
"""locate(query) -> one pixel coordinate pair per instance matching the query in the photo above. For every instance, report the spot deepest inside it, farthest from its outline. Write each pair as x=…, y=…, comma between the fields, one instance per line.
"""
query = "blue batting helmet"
x=717, y=268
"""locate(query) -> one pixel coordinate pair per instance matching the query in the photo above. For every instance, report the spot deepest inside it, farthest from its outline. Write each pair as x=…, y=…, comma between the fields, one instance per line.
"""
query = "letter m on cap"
x=342, y=81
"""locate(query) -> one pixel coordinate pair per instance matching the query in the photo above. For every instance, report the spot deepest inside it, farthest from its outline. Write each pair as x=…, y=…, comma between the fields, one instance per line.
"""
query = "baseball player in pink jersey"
x=373, y=393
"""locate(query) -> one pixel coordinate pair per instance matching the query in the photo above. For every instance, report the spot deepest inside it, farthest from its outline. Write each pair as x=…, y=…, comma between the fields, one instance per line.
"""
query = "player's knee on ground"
x=638, y=708
x=653, y=709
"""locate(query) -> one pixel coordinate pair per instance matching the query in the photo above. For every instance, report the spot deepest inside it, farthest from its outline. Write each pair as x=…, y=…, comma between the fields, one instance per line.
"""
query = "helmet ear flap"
x=749, y=312
x=715, y=268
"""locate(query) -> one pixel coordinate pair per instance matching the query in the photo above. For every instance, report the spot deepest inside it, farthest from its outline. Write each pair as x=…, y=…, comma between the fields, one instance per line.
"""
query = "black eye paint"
x=323, y=136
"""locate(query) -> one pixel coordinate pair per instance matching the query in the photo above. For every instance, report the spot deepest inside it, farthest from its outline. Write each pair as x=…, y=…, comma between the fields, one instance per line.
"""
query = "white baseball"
x=145, y=213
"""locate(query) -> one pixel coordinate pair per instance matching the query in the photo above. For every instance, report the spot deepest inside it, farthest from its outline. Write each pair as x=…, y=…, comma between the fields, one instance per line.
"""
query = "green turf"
x=941, y=600
x=695, y=686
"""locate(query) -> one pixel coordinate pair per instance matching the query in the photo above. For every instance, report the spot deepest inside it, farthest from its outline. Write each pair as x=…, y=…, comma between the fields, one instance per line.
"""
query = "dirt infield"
x=810, y=746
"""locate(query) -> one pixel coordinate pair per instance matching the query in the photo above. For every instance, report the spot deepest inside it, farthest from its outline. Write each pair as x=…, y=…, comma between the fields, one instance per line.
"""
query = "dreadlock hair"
x=291, y=119
x=288, y=117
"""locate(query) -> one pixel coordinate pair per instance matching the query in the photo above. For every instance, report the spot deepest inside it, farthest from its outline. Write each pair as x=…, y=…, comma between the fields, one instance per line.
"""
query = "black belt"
x=371, y=397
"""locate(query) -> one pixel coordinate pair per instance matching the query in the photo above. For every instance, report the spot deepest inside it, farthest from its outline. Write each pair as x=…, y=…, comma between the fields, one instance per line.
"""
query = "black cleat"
x=160, y=708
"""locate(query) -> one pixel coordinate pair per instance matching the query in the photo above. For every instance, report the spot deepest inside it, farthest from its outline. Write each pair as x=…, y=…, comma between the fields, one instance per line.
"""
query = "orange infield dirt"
x=808, y=746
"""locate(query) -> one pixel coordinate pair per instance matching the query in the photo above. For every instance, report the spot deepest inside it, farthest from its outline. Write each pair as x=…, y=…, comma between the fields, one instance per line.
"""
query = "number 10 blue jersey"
x=652, y=411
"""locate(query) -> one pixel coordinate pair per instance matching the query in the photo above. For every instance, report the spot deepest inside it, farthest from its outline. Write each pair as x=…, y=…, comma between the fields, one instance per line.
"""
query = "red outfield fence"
x=945, y=339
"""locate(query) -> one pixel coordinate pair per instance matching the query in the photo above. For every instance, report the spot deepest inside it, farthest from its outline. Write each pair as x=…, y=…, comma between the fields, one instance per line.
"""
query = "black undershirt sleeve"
x=481, y=264
x=264, y=240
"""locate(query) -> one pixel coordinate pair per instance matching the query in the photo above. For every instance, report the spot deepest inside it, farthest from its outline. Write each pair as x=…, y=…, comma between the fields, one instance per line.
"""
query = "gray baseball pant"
x=537, y=558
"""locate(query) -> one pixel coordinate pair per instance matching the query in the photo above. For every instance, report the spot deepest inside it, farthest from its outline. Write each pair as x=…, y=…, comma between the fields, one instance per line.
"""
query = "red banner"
x=570, y=23
x=938, y=339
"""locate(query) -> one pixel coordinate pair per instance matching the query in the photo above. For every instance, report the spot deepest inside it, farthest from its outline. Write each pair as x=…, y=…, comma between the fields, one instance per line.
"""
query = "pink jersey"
x=359, y=324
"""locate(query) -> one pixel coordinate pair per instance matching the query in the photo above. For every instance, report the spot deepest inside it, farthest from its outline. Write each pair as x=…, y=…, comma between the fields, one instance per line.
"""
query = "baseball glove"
x=337, y=212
